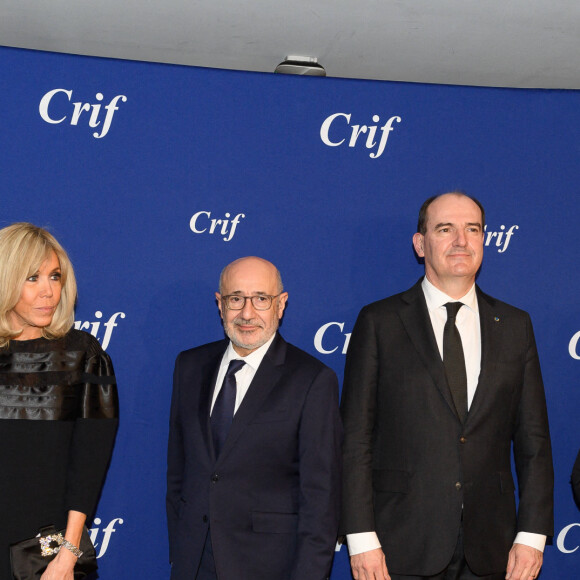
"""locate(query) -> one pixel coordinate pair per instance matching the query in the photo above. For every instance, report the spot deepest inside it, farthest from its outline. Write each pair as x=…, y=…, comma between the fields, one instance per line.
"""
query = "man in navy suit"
x=253, y=478
x=441, y=383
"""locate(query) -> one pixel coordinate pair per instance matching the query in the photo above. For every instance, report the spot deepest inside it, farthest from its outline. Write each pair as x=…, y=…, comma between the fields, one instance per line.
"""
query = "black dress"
x=58, y=419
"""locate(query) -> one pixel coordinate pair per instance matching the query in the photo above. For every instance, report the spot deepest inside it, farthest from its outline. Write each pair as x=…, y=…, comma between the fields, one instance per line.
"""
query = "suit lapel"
x=490, y=323
x=264, y=381
x=209, y=372
x=417, y=323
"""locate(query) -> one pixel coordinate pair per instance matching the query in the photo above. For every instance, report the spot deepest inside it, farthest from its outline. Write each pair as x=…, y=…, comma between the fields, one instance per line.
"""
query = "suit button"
x=204, y=519
x=215, y=477
x=458, y=486
x=462, y=440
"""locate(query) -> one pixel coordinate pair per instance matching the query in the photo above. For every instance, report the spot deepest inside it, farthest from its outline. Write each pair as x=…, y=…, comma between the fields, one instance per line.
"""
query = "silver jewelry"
x=72, y=548
x=50, y=545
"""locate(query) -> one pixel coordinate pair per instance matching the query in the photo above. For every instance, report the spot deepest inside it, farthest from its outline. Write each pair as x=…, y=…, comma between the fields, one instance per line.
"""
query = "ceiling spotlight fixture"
x=301, y=65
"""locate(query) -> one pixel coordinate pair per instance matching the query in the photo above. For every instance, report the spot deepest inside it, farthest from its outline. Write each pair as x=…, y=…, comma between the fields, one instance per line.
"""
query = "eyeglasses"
x=259, y=301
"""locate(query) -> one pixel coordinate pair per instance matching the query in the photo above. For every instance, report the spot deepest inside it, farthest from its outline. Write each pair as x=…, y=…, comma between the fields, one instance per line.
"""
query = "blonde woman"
x=58, y=400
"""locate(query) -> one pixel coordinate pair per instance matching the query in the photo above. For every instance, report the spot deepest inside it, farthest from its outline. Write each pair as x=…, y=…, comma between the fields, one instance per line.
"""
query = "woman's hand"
x=62, y=567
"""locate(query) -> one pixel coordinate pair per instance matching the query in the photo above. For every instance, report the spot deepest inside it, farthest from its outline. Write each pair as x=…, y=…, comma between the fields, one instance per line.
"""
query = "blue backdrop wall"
x=154, y=177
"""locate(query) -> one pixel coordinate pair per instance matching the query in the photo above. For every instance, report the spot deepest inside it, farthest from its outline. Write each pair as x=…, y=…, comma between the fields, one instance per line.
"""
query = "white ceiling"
x=516, y=43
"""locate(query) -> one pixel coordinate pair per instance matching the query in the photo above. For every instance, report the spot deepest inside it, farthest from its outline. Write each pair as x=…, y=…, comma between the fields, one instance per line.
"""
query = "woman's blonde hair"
x=23, y=249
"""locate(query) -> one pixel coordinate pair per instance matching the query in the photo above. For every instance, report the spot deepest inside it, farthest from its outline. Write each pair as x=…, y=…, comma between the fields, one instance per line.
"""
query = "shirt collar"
x=253, y=359
x=436, y=299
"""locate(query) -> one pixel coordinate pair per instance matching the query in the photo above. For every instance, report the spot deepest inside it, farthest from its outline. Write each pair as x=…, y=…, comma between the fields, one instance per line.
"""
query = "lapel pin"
x=496, y=318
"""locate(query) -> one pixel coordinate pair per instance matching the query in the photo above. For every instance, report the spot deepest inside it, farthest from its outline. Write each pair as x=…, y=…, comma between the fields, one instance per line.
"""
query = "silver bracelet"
x=72, y=548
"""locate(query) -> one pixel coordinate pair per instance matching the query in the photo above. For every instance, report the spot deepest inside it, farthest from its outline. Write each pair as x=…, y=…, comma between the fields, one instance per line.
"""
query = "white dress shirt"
x=467, y=323
x=245, y=375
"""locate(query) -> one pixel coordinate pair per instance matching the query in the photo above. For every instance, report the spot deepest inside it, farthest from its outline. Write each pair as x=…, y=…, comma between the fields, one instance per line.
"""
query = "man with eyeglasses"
x=254, y=446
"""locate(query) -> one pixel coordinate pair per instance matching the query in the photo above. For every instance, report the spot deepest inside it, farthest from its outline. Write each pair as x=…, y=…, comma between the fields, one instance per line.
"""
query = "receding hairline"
x=423, y=211
x=279, y=284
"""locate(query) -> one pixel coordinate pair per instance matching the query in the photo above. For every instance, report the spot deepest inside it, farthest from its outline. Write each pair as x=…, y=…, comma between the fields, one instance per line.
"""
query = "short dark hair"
x=422, y=221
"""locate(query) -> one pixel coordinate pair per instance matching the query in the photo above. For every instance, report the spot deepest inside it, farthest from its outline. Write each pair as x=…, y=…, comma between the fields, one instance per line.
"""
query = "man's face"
x=248, y=329
x=453, y=243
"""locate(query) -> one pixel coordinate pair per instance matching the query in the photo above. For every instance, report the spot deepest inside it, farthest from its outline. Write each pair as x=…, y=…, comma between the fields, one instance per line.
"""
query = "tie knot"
x=234, y=366
x=453, y=309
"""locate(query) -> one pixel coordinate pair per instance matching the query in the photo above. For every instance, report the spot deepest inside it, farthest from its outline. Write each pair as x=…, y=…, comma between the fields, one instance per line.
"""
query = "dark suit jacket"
x=272, y=498
x=576, y=479
x=409, y=463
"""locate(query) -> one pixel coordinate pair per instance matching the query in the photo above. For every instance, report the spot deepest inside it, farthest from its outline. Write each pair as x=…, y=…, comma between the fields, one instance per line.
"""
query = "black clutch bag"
x=29, y=558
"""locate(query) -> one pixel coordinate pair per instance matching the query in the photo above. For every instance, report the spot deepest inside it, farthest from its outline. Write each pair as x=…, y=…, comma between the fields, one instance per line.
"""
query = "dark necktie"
x=454, y=361
x=223, y=408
